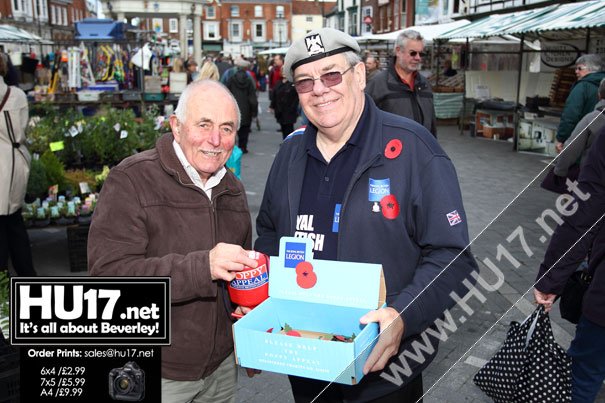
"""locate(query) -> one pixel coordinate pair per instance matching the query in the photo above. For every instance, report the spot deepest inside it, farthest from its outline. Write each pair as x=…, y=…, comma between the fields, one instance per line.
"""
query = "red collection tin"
x=251, y=286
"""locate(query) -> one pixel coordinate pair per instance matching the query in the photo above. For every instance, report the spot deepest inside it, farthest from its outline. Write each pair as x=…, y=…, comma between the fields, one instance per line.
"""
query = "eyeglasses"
x=581, y=68
x=328, y=79
x=414, y=53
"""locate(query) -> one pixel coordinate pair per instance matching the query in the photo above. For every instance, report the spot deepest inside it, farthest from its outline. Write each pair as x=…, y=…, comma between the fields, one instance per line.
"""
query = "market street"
x=491, y=176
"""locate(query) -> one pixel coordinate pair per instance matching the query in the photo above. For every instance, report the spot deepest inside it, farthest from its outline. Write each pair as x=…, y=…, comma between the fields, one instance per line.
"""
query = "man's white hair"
x=181, y=108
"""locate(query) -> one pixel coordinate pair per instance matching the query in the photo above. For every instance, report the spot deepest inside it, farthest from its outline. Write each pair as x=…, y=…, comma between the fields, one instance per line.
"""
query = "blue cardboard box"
x=329, y=303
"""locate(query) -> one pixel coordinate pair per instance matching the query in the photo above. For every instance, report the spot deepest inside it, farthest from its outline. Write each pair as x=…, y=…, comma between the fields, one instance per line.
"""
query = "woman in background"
x=14, y=173
x=209, y=70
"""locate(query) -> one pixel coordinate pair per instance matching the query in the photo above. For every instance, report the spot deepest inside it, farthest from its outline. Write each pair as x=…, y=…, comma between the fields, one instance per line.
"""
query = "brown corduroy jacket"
x=151, y=220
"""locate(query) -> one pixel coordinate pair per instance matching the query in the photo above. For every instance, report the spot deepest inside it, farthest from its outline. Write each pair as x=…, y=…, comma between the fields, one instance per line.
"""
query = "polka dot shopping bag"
x=529, y=367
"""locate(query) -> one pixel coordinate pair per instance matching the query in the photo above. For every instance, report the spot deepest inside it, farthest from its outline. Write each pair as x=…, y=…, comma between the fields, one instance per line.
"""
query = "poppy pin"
x=305, y=277
x=389, y=207
x=393, y=149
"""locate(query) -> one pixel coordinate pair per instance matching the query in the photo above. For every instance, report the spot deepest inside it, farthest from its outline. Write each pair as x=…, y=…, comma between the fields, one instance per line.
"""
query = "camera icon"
x=127, y=383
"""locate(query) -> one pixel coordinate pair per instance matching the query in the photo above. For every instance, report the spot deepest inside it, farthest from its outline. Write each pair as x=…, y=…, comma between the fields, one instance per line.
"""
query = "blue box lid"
x=295, y=275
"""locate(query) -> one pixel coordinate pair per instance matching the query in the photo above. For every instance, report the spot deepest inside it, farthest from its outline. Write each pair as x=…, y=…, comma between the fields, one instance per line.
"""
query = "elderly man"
x=583, y=95
x=176, y=211
x=401, y=89
x=378, y=188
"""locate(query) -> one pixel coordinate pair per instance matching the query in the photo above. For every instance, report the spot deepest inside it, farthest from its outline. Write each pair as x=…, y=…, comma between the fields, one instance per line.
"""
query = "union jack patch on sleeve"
x=454, y=218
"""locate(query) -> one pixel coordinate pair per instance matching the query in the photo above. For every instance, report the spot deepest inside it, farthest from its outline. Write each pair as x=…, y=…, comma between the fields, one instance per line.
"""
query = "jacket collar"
x=372, y=146
x=171, y=164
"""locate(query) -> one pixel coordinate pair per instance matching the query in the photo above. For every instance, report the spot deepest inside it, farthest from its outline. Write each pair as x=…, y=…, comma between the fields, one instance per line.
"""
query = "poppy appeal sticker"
x=393, y=149
x=389, y=207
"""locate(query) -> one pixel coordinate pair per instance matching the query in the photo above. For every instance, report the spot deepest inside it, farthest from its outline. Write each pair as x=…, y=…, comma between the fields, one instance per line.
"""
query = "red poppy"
x=393, y=149
x=305, y=277
x=389, y=207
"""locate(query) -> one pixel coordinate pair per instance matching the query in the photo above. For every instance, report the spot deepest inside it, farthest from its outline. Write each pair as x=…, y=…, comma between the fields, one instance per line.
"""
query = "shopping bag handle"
x=538, y=312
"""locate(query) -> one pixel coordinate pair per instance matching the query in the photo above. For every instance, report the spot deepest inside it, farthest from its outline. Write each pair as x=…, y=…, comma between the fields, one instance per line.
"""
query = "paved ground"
x=492, y=176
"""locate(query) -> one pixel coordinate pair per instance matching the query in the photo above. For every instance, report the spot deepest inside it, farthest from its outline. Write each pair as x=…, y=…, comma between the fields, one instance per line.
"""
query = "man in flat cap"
x=377, y=188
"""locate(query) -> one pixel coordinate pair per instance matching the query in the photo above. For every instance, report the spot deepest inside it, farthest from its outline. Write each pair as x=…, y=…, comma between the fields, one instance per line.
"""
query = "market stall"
x=548, y=41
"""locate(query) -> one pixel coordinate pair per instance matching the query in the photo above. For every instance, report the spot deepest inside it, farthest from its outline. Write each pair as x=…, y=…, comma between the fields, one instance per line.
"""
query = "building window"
x=173, y=25
x=64, y=11
x=259, y=31
x=210, y=12
x=18, y=6
x=258, y=11
x=309, y=19
x=235, y=31
x=279, y=12
x=211, y=30
x=235, y=11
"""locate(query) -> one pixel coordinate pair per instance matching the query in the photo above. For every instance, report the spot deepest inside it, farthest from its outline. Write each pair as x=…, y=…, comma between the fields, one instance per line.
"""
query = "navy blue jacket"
x=413, y=248
x=589, y=212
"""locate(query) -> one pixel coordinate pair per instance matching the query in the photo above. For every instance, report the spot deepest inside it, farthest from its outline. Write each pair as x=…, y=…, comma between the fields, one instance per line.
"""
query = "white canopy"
x=428, y=32
x=274, y=51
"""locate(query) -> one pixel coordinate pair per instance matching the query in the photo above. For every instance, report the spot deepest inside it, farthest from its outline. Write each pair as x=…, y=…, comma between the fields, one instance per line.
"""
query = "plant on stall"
x=55, y=170
x=74, y=177
x=150, y=128
x=110, y=137
x=41, y=131
x=101, y=177
x=38, y=183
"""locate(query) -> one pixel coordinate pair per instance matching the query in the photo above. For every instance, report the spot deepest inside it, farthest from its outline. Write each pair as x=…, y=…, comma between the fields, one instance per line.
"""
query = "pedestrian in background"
x=570, y=244
x=401, y=89
x=262, y=70
x=223, y=63
x=243, y=89
x=284, y=103
x=583, y=136
x=14, y=174
x=209, y=71
x=372, y=67
x=448, y=70
x=178, y=65
x=582, y=97
x=330, y=175
x=192, y=72
x=176, y=211
x=275, y=72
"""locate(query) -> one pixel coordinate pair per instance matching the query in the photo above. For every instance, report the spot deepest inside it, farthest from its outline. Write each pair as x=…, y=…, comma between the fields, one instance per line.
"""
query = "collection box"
x=319, y=304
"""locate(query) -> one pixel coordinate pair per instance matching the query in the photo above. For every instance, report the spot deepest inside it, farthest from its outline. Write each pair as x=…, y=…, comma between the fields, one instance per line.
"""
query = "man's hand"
x=559, y=146
x=240, y=311
x=391, y=331
x=226, y=259
x=544, y=299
